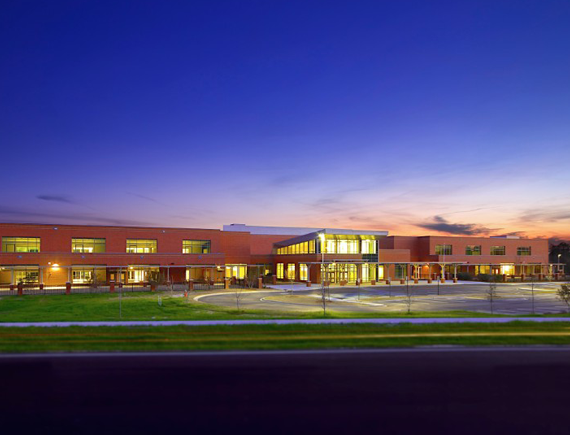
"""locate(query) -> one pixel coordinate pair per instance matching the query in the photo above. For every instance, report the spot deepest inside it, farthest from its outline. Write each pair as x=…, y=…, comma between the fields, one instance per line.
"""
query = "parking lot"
x=514, y=299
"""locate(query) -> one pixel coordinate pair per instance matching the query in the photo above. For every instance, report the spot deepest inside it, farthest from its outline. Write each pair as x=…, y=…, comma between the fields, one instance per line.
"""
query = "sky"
x=415, y=117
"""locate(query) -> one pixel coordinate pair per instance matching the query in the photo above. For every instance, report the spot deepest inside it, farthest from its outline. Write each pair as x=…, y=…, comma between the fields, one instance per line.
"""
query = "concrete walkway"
x=391, y=321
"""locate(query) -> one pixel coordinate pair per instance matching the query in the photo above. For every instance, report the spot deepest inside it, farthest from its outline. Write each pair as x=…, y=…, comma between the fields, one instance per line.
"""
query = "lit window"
x=26, y=275
x=443, y=250
x=142, y=273
x=369, y=246
x=303, y=272
x=237, y=271
x=473, y=250
x=141, y=246
x=291, y=271
x=20, y=244
x=87, y=275
x=497, y=250
x=88, y=245
x=523, y=250
x=279, y=271
x=195, y=246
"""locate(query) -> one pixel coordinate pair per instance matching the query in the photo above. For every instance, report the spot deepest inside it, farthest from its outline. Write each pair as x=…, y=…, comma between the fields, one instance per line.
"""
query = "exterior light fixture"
x=55, y=266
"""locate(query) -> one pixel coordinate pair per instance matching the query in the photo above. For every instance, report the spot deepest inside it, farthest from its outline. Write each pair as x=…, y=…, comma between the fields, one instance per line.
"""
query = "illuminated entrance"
x=349, y=272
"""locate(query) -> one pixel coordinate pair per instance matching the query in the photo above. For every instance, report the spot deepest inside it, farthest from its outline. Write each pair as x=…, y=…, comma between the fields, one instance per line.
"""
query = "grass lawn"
x=145, y=306
x=274, y=337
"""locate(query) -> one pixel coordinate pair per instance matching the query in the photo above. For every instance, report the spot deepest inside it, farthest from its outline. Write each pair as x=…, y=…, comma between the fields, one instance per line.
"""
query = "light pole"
x=558, y=265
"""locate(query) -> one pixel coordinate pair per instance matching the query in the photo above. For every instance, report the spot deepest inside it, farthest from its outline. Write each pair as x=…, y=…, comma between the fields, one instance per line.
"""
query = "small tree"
x=563, y=294
x=492, y=294
x=408, y=297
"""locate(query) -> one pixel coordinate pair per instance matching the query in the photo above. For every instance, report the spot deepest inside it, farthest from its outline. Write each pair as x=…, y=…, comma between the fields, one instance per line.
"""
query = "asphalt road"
x=399, y=391
x=512, y=299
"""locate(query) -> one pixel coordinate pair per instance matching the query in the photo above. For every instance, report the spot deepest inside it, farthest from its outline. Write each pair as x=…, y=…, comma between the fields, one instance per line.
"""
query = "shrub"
x=488, y=278
x=464, y=276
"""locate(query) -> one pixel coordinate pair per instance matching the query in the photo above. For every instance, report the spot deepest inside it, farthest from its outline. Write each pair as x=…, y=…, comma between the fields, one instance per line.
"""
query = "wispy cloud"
x=441, y=225
x=21, y=215
x=56, y=198
x=547, y=214
x=146, y=198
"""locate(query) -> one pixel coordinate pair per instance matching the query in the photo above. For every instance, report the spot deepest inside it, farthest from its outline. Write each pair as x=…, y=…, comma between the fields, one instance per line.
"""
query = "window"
x=342, y=246
x=523, y=250
x=237, y=271
x=141, y=246
x=88, y=275
x=473, y=250
x=497, y=250
x=401, y=271
x=443, y=250
x=298, y=248
x=303, y=272
x=26, y=275
x=369, y=246
x=279, y=271
x=291, y=271
x=195, y=246
x=20, y=244
x=142, y=273
x=88, y=246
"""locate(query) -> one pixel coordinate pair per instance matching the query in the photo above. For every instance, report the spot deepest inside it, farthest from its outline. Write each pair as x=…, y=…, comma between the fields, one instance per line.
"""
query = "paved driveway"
x=511, y=298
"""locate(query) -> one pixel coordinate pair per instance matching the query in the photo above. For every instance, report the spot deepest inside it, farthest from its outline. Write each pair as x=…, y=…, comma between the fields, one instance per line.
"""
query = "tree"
x=563, y=294
x=238, y=294
x=492, y=294
x=408, y=296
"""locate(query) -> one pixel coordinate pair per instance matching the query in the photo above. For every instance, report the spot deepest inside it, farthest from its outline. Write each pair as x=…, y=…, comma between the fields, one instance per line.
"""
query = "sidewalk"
x=289, y=322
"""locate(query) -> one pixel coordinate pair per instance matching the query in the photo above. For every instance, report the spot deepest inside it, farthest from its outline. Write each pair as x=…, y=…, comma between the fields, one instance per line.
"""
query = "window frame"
x=136, y=251
x=189, y=243
x=6, y=242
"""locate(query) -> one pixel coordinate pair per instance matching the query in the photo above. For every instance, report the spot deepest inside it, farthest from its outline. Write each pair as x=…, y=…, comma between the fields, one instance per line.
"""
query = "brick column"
x=112, y=286
x=67, y=288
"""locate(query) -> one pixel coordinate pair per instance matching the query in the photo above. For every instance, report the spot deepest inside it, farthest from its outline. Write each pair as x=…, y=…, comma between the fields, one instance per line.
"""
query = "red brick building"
x=80, y=254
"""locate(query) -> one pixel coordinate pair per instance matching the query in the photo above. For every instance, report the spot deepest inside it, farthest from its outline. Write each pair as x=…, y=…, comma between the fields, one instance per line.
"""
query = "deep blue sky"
x=410, y=116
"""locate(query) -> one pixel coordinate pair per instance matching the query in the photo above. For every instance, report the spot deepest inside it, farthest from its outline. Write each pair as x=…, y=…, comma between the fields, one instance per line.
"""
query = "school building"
x=52, y=255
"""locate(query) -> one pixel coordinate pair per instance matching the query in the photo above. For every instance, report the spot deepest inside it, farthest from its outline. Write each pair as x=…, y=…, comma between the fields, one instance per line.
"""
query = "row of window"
x=336, y=272
x=298, y=248
x=133, y=274
x=89, y=246
x=476, y=250
x=331, y=246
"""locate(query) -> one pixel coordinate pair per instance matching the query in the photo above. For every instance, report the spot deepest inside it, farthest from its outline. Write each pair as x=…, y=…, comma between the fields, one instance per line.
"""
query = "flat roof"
x=299, y=231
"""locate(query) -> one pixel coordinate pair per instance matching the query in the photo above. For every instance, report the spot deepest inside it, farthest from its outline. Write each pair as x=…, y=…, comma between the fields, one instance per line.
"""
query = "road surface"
x=443, y=391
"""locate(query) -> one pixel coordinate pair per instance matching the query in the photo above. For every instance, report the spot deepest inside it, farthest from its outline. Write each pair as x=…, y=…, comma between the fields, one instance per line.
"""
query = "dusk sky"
x=416, y=117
